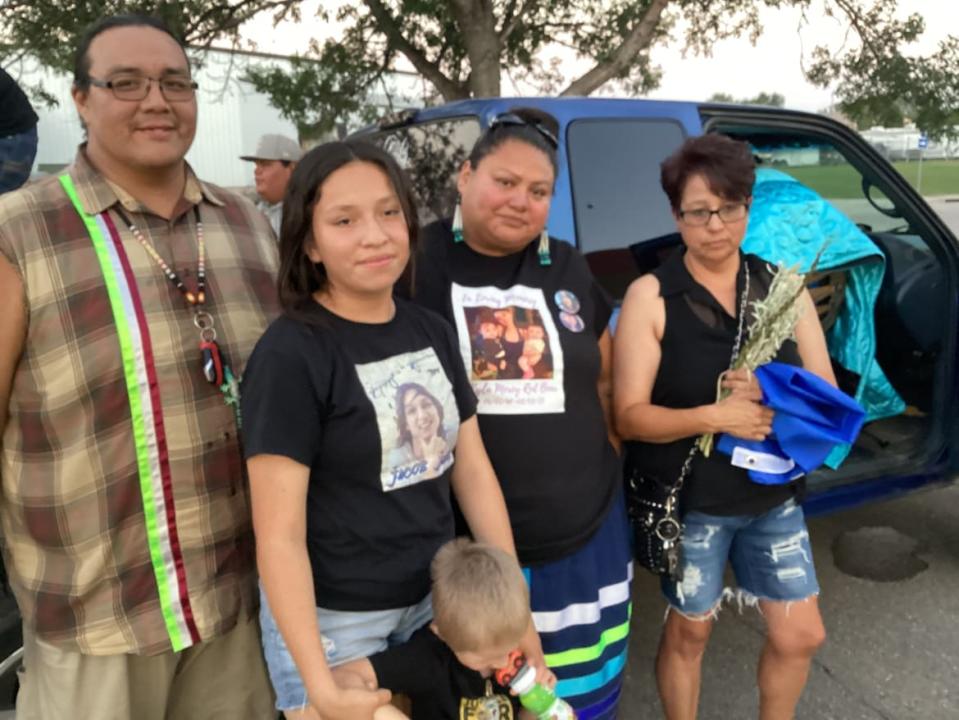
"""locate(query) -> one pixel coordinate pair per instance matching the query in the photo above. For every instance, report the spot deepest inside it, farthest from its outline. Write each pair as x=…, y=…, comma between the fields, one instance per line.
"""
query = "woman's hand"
x=350, y=703
x=532, y=650
x=743, y=418
x=742, y=383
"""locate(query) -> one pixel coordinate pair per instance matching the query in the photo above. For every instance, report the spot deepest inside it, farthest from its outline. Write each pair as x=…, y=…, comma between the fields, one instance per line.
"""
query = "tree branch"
x=512, y=19
x=620, y=59
x=509, y=19
x=430, y=70
x=236, y=16
x=855, y=20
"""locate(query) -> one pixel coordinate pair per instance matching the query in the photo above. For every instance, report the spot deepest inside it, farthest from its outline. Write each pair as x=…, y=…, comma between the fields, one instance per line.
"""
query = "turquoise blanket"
x=789, y=223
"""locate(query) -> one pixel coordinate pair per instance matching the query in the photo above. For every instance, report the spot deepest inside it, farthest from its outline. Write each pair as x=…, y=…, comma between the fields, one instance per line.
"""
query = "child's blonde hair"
x=480, y=598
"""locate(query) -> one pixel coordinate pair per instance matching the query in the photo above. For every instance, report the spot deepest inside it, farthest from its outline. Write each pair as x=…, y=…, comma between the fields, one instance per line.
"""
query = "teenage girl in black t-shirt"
x=347, y=513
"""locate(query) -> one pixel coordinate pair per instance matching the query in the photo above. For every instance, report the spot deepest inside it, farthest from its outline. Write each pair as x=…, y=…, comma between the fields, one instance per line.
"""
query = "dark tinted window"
x=432, y=154
x=614, y=173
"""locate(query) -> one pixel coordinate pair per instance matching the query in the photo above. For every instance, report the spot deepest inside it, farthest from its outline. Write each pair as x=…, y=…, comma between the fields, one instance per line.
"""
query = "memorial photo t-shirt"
x=528, y=337
x=373, y=410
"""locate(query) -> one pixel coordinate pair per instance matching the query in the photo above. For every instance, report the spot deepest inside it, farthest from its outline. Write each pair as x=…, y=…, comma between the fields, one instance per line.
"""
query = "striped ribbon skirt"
x=581, y=607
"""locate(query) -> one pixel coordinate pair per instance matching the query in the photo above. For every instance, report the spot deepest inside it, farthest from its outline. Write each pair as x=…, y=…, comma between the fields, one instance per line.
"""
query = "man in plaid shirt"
x=131, y=295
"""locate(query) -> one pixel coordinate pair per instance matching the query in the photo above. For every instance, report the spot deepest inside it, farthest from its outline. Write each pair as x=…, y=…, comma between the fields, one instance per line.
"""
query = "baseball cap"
x=276, y=147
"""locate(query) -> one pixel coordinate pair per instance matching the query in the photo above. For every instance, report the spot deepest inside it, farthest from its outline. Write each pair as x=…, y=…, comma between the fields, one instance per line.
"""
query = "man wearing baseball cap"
x=275, y=158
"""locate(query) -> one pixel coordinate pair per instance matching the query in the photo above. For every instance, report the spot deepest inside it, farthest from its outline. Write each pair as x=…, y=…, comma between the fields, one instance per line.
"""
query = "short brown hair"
x=727, y=165
x=480, y=598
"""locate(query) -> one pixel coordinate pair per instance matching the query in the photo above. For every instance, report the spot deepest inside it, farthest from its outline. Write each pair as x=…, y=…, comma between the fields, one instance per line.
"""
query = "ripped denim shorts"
x=770, y=554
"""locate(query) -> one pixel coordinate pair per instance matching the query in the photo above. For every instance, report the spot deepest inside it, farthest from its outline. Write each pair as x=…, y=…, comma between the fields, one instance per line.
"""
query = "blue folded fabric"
x=811, y=418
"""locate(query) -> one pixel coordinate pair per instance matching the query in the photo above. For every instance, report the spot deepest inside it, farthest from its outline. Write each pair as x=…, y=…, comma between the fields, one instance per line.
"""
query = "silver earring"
x=543, y=252
x=458, y=223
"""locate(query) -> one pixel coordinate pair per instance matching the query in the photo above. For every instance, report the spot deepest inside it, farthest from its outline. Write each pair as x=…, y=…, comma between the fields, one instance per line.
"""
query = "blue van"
x=608, y=202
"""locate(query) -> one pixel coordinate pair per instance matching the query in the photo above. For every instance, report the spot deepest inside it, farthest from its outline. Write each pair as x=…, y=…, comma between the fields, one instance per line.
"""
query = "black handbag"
x=653, y=505
x=653, y=508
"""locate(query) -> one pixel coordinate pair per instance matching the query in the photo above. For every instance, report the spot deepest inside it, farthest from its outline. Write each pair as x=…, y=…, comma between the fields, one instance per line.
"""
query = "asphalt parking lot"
x=948, y=209
x=893, y=647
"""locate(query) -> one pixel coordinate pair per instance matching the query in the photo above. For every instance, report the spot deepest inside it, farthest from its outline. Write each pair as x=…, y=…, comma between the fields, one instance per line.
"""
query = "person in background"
x=128, y=287
x=274, y=160
x=548, y=433
x=18, y=134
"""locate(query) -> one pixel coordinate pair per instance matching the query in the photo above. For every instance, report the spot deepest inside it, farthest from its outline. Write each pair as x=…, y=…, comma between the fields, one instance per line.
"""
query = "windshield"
x=432, y=153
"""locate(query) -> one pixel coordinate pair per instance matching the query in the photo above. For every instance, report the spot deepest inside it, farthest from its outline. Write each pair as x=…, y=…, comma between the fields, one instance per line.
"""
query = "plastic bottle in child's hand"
x=521, y=679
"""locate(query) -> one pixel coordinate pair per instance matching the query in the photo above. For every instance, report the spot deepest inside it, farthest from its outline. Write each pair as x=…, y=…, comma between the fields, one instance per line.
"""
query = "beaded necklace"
x=216, y=370
x=196, y=299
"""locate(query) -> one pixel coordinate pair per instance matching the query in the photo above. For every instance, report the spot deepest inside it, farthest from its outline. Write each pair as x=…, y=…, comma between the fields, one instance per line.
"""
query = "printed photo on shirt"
x=492, y=329
x=511, y=348
x=416, y=414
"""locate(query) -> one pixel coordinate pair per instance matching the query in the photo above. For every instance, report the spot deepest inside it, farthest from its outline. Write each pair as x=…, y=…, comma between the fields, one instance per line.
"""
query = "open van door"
x=915, y=311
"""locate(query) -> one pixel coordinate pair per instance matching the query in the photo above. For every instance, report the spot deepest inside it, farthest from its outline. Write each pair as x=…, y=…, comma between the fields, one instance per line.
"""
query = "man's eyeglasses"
x=516, y=120
x=137, y=87
x=729, y=213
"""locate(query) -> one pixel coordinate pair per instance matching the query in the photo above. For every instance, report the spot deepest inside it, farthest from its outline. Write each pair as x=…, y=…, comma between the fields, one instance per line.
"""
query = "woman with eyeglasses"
x=679, y=331
x=547, y=425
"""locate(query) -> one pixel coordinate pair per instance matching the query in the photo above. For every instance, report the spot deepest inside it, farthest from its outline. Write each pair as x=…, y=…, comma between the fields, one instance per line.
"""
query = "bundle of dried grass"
x=773, y=322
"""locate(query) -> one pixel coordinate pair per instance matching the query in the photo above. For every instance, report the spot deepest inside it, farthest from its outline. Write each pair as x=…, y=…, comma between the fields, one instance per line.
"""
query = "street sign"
x=923, y=144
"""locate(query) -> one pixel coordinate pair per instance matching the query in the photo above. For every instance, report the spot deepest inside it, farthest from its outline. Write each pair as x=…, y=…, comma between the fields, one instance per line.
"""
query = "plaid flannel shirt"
x=124, y=509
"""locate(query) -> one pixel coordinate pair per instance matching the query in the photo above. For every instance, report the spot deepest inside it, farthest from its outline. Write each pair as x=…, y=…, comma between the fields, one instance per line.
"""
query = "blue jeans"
x=770, y=554
x=16, y=159
x=345, y=635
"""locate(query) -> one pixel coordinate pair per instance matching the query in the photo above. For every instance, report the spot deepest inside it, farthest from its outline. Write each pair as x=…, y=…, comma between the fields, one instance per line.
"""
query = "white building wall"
x=903, y=143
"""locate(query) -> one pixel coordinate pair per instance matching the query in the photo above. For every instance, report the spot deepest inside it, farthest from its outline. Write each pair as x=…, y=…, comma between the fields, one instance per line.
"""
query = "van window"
x=432, y=153
x=614, y=175
x=909, y=339
x=820, y=166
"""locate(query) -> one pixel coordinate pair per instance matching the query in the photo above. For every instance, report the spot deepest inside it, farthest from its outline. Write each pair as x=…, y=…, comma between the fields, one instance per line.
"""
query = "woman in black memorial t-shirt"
x=678, y=333
x=541, y=374
x=353, y=404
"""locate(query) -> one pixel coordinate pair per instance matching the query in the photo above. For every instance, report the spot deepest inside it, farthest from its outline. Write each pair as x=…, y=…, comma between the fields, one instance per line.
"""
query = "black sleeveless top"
x=696, y=347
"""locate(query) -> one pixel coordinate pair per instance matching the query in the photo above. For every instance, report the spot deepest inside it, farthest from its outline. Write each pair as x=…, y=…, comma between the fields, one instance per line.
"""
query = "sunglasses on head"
x=512, y=119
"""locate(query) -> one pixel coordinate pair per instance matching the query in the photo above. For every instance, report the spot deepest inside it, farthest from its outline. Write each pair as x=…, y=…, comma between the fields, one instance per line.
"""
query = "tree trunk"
x=478, y=27
x=621, y=58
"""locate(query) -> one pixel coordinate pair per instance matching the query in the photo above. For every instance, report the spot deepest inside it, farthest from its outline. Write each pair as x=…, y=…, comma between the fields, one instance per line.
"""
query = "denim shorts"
x=346, y=636
x=770, y=554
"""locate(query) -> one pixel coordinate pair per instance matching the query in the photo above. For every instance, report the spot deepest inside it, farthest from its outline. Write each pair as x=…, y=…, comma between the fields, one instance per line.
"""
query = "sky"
x=736, y=67
x=774, y=64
